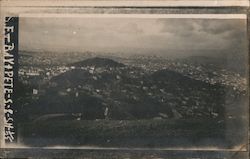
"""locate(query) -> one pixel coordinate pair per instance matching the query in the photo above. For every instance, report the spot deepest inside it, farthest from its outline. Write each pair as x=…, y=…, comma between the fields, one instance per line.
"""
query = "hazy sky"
x=132, y=35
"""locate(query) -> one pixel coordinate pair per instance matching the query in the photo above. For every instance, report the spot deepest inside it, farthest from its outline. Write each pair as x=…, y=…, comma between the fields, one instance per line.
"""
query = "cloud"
x=183, y=27
x=131, y=35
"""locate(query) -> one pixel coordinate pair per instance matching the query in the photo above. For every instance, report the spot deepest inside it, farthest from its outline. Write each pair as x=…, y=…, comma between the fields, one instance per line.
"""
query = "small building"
x=35, y=91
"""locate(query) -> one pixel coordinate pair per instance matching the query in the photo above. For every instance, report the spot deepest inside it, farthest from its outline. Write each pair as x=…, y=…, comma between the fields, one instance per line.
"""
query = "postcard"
x=125, y=84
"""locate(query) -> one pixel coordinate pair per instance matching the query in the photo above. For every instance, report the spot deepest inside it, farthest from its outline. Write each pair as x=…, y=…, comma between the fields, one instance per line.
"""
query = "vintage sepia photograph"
x=132, y=82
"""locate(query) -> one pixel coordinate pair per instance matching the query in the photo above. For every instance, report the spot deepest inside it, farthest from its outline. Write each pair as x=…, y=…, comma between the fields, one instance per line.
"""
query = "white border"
x=126, y=3
x=145, y=16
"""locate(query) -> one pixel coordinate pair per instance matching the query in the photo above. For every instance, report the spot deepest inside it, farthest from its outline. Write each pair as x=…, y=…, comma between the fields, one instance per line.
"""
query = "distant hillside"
x=79, y=77
x=236, y=63
x=98, y=62
x=72, y=77
x=206, y=60
x=169, y=75
x=162, y=94
x=175, y=78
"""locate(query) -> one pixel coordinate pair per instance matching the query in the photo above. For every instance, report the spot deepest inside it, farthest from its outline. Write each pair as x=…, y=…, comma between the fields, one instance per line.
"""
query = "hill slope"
x=163, y=94
x=98, y=62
